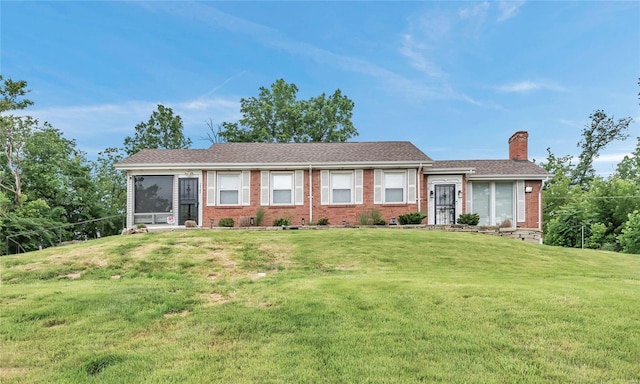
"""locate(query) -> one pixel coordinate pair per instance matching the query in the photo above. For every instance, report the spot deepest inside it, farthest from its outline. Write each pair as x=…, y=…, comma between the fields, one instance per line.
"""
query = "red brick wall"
x=335, y=213
x=518, y=146
x=532, y=207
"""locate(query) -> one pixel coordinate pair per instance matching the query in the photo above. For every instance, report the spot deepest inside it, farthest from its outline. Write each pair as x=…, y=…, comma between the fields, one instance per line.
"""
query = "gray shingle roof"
x=293, y=153
x=493, y=167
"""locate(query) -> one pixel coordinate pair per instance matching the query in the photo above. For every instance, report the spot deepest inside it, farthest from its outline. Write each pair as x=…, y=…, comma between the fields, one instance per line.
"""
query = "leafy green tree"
x=163, y=131
x=630, y=236
x=59, y=174
x=14, y=133
x=276, y=115
x=629, y=167
x=595, y=137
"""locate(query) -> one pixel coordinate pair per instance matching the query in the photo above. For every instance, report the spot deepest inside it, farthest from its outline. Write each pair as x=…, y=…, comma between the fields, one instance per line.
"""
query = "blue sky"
x=455, y=78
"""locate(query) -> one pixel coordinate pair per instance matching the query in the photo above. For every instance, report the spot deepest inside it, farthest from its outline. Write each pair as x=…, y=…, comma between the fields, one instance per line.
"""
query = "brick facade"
x=335, y=213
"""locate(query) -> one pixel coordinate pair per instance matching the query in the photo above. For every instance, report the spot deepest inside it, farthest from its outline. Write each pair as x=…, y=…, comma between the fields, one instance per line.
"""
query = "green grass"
x=341, y=306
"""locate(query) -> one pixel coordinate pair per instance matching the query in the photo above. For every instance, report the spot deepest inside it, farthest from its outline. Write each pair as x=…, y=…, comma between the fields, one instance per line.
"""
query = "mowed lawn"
x=319, y=306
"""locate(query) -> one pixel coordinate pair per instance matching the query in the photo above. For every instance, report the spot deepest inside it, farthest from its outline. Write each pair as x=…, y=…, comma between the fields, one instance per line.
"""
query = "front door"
x=445, y=203
x=188, y=200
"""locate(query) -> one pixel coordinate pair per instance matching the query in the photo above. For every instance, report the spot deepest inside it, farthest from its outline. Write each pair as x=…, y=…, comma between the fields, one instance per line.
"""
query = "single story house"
x=337, y=181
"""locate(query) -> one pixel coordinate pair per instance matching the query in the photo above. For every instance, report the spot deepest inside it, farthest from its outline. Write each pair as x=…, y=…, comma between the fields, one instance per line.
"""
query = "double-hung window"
x=341, y=187
x=394, y=187
x=282, y=188
x=229, y=187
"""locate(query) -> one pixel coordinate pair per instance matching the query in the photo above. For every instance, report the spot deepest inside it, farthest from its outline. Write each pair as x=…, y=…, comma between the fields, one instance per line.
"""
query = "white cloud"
x=528, y=86
x=474, y=11
x=109, y=124
x=417, y=55
x=509, y=9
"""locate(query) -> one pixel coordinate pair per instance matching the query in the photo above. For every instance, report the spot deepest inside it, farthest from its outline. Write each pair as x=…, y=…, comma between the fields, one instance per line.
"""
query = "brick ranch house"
x=338, y=181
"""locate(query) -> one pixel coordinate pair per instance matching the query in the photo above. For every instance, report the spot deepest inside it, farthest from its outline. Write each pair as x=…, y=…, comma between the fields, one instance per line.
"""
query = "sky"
x=455, y=78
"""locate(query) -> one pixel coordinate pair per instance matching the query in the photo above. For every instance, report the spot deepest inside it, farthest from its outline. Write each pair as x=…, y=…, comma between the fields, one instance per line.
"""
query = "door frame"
x=194, y=202
x=432, y=181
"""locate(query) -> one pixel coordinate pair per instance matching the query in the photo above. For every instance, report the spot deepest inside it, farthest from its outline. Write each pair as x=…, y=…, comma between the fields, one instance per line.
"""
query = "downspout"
x=420, y=181
x=310, y=196
x=540, y=207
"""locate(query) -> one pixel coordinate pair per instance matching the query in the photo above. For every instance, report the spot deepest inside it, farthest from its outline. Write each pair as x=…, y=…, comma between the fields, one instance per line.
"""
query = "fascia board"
x=450, y=171
x=269, y=166
x=507, y=177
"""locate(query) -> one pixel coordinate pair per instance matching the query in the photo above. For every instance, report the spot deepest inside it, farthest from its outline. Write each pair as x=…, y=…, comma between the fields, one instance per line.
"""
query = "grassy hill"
x=344, y=305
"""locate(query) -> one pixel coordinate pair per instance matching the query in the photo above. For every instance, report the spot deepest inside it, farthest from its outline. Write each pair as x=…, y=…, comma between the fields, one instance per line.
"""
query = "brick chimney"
x=518, y=143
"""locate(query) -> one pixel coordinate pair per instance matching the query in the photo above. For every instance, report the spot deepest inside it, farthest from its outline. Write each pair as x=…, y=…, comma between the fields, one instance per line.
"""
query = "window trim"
x=219, y=189
x=351, y=173
x=291, y=190
x=404, y=186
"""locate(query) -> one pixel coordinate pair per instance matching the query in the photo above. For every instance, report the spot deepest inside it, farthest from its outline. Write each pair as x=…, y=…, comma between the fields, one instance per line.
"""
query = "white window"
x=493, y=202
x=394, y=187
x=341, y=187
x=282, y=188
x=229, y=186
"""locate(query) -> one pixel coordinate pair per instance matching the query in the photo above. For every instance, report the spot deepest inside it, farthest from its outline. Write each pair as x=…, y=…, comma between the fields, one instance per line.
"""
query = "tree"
x=215, y=133
x=162, y=131
x=277, y=116
x=629, y=167
x=14, y=133
x=595, y=137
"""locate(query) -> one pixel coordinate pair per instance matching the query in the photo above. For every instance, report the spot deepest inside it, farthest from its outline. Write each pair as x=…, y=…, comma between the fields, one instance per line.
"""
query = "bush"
x=259, y=217
x=140, y=226
x=630, y=237
x=282, y=222
x=371, y=217
x=323, y=221
x=411, y=218
x=226, y=222
x=469, y=219
x=245, y=221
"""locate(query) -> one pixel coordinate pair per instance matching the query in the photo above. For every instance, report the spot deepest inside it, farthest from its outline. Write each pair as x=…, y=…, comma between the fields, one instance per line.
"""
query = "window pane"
x=229, y=182
x=393, y=195
x=504, y=204
x=282, y=181
x=394, y=180
x=481, y=202
x=282, y=197
x=228, y=197
x=341, y=181
x=153, y=194
x=341, y=196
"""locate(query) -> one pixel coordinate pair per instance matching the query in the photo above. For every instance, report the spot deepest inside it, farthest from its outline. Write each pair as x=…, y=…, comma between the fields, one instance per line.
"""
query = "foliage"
x=15, y=132
x=282, y=222
x=276, y=115
x=598, y=237
x=595, y=137
x=630, y=236
x=323, y=221
x=335, y=306
x=259, y=217
x=162, y=131
x=110, y=186
x=629, y=167
x=371, y=217
x=226, y=222
x=411, y=218
x=469, y=218
x=566, y=228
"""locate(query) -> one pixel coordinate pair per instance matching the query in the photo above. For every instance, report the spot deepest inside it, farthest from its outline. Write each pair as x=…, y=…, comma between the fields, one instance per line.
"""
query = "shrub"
x=259, y=217
x=282, y=222
x=371, y=217
x=469, y=219
x=411, y=218
x=140, y=226
x=630, y=237
x=245, y=221
x=226, y=222
x=323, y=221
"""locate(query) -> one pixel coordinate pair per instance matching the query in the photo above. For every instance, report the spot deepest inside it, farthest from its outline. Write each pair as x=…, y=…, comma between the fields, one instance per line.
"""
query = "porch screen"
x=153, y=194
